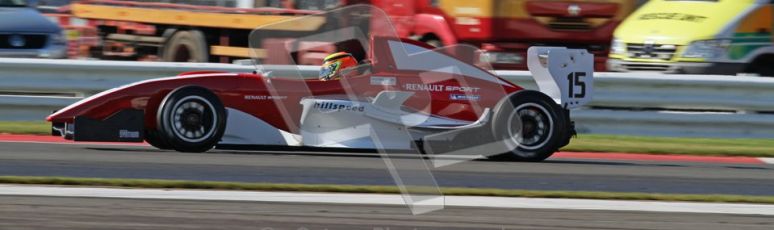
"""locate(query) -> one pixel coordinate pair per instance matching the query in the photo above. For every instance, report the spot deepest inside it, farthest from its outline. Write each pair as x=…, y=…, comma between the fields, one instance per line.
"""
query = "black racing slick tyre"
x=154, y=139
x=191, y=119
x=542, y=129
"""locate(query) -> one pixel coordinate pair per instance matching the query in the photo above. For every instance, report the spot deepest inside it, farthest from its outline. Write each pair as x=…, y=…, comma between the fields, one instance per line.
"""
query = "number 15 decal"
x=576, y=79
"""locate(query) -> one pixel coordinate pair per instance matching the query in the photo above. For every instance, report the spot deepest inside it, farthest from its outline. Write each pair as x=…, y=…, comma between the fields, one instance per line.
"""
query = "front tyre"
x=191, y=119
x=154, y=138
x=542, y=130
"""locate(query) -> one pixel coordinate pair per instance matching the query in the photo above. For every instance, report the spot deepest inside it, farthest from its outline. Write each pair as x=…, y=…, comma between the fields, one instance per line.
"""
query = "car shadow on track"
x=415, y=155
x=351, y=154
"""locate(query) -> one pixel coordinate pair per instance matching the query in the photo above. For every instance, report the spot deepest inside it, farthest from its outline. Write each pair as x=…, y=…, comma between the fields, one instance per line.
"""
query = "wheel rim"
x=535, y=129
x=193, y=119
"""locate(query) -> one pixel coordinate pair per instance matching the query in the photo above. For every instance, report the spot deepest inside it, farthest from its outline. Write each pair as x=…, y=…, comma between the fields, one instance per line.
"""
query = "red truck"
x=506, y=28
x=216, y=30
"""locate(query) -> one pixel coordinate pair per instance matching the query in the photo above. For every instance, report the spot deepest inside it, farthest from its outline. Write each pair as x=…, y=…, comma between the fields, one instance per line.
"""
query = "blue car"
x=25, y=32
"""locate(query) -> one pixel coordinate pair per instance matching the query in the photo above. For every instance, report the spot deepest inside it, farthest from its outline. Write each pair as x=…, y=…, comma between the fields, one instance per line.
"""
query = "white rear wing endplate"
x=566, y=75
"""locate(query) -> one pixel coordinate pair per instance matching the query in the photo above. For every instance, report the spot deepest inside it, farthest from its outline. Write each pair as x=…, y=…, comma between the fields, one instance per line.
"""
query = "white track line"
x=388, y=199
x=767, y=160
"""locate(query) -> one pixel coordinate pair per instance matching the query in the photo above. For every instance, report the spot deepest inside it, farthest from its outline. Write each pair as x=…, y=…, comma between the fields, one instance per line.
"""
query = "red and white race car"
x=408, y=95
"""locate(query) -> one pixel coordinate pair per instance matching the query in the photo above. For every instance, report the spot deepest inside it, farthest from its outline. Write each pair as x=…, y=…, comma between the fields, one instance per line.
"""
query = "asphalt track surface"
x=30, y=212
x=127, y=161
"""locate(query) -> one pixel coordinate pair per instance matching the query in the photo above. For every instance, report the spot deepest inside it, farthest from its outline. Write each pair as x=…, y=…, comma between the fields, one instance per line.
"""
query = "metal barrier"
x=624, y=103
x=675, y=92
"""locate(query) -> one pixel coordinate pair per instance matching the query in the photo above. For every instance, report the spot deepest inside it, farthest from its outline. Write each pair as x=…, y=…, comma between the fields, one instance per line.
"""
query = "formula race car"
x=404, y=95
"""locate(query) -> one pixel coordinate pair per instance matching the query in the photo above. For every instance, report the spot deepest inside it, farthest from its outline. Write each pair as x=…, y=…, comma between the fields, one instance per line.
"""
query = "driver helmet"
x=333, y=65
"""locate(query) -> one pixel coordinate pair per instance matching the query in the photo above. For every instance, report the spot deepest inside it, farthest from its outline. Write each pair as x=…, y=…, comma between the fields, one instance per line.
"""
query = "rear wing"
x=566, y=75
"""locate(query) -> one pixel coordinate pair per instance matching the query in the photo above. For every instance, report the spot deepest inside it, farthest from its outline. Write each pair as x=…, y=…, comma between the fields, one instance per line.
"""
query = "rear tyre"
x=541, y=133
x=191, y=119
x=186, y=46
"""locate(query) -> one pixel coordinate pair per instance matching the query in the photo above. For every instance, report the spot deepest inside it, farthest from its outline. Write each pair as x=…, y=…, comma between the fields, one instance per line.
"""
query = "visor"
x=328, y=71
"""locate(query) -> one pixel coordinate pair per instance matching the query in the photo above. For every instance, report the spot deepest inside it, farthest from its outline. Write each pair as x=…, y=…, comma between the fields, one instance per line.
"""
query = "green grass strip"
x=672, y=145
x=182, y=184
x=25, y=127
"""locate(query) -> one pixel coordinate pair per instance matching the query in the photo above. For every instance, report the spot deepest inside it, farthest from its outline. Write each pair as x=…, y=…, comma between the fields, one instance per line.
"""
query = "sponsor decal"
x=464, y=97
x=128, y=134
x=440, y=88
x=264, y=97
x=423, y=87
x=383, y=80
x=333, y=106
x=466, y=89
x=673, y=16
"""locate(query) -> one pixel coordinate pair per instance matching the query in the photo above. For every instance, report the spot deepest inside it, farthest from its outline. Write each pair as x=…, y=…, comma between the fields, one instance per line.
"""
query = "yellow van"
x=696, y=37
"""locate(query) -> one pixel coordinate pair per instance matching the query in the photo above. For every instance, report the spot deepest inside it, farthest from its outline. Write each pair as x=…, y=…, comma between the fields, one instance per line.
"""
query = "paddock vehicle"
x=26, y=33
x=697, y=37
x=406, y=95
x=215, y=30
